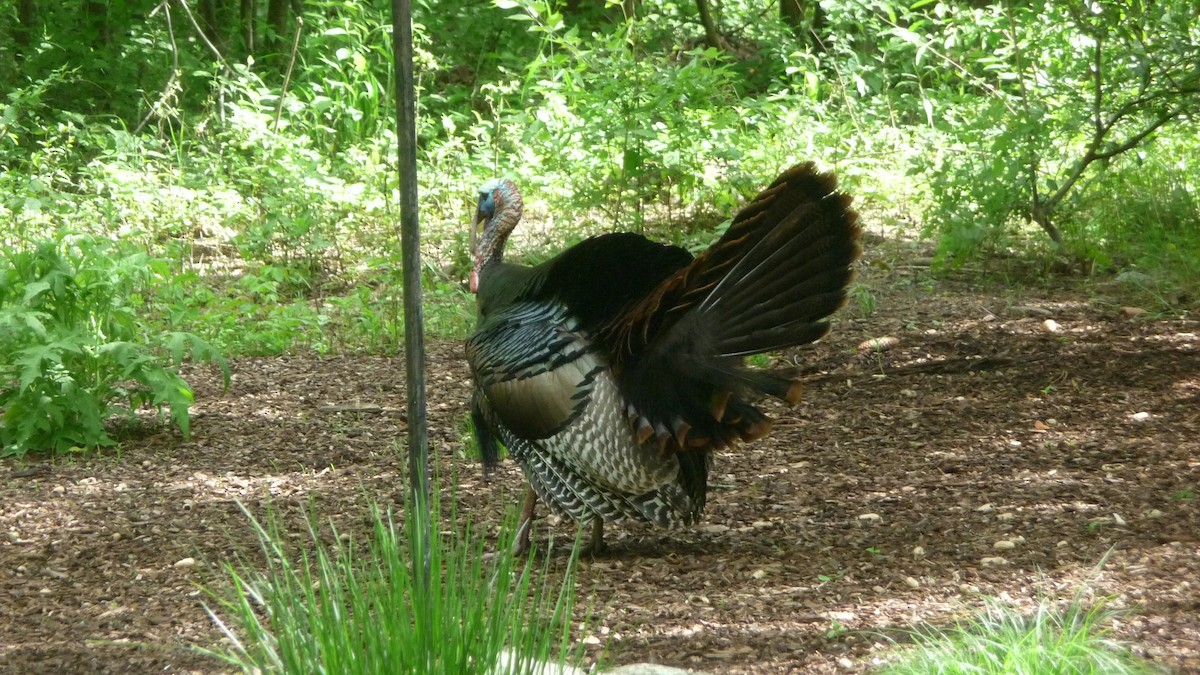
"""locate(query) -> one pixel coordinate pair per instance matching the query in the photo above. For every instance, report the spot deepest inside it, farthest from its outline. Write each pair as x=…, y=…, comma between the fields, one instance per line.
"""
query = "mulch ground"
x=984, y=452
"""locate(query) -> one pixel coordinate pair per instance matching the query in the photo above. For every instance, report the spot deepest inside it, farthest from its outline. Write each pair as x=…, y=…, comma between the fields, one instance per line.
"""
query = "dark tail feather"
x=784, y=287
x=489, y=445
x=770, y=282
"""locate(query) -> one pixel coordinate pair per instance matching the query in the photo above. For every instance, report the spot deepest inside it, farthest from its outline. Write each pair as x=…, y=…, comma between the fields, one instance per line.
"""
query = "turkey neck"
x=490, y=252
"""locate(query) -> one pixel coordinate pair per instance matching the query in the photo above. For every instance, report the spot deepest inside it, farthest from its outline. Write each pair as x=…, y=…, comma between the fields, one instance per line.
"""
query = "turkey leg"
x=596, y=545
x=525, y=524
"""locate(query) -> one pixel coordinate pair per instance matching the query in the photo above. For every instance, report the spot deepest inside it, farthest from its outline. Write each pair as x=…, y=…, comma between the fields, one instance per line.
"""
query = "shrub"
x=73, y=352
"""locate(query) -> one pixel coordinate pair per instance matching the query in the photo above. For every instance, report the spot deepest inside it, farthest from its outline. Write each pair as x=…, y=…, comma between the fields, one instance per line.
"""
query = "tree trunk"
x=249, y=14
x=26, y=25
x=711, y=36
x=210, y=20
x=277, y=16
x=95, y=15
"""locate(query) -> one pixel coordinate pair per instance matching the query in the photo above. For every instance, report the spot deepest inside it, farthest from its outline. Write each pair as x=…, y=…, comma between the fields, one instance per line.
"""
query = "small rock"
x=1140, y=416
x=1005, y=517
x=186, y=562
x=507, y=662
x=879, y=589
x=1118, y=519
x=1132, y=312
x=870, y=518
x=1051, y=326
x=1004, y=545
x=714, y=528
x=911, y=582
x=986, y=508
x=591, y=640
x=759, y=574
x=58, y=489
x=994, y=561
x=845, y=663
x=918, y=552
x=1154, y=513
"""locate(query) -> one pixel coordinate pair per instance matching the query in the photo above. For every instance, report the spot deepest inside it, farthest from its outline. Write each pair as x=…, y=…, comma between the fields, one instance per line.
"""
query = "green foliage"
x=104, y=43
x=863, y=299
x=273, y=200
x=344, y=78
x=1003, y=641
x=74, y=351
x=1141, y=215
x=1060, y=93
x=342, y=611
x=625, y=122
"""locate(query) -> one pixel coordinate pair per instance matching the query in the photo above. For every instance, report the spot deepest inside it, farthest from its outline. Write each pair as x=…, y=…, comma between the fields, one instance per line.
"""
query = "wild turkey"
x=614, y=371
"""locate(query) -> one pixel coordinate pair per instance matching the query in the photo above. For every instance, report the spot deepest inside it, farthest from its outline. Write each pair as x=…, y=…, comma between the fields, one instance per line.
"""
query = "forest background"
x=216, y=177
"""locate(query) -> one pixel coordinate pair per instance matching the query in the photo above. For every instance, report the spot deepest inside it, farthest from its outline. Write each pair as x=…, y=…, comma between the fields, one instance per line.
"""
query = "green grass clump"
x=1003, y=641
x=338, y=611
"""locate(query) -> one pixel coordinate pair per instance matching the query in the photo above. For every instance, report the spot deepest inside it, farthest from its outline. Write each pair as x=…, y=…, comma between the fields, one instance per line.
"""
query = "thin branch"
x=1098, y=93
x=172, y=84
x=200, y=31
x=1140, y=136
x=1037, y=211
x=1024, y=89
x=287, y=77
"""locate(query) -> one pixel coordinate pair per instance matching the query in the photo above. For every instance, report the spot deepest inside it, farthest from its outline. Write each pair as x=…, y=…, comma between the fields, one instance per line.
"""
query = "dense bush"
x=73, y=351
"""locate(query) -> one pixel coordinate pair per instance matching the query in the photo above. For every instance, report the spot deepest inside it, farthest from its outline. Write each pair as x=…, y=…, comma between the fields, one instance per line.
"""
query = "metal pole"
x=410, y=247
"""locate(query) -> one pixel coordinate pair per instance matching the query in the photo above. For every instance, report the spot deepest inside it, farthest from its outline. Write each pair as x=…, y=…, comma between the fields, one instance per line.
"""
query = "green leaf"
x=30, y=359
x=33, y=289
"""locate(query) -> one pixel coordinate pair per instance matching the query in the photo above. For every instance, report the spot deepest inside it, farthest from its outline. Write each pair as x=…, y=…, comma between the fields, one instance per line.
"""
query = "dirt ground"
x=1006, y=440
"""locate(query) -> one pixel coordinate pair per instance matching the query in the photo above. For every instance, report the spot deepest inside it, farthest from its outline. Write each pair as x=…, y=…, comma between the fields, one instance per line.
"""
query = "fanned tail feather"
x=770, y=282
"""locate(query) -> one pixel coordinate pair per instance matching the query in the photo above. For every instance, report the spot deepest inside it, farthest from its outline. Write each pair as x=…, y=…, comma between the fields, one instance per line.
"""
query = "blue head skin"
x=496, y=216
